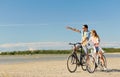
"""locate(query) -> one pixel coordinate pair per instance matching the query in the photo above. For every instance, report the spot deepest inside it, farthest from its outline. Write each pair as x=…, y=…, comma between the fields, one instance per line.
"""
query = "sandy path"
x=55, y=69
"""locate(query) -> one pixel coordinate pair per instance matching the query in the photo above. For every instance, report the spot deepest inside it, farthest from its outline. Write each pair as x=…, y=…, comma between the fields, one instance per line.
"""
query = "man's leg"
x=86, y=52
x=76, y=48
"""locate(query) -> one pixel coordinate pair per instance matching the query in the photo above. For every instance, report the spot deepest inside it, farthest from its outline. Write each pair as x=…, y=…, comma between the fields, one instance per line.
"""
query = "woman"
x=96, y=41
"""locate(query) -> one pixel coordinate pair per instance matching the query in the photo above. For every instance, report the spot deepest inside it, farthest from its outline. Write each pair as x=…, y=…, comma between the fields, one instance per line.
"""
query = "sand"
x=56, y=69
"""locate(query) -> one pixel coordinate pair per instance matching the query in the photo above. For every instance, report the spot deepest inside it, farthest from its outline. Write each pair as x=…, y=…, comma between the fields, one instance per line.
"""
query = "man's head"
x=85, y=27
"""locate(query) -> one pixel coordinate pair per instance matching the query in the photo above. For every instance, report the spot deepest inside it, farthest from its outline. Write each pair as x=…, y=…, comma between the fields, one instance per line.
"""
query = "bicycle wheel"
x=71, y=63
x=90, y=64
x=105, y=61
x=101, y=65
x=83, y=65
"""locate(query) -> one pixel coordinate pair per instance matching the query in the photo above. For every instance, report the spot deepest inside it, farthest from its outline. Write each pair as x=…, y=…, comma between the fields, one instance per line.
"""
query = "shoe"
x=105, y=69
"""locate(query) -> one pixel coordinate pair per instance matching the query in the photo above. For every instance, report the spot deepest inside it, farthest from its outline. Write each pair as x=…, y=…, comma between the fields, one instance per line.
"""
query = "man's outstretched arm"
x=73, y=29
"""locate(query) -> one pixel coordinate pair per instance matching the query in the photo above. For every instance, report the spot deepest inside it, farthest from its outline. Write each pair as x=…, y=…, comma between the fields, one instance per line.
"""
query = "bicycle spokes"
x=102, y=63
x=72, y=63
x=73, y=60
x=90, y=64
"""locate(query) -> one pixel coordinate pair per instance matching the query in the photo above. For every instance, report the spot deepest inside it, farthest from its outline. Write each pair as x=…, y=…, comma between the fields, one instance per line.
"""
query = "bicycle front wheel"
x=90, y=64
x=72, y=63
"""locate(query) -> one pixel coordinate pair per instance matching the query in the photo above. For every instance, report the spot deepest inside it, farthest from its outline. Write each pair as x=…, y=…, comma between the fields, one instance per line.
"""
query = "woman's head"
x=94, y=33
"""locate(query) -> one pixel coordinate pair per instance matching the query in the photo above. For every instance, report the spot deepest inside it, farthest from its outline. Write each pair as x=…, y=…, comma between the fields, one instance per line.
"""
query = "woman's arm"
x=97, y=42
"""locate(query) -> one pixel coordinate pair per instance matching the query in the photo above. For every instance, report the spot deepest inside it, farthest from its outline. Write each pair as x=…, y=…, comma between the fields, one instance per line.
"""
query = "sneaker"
x=105, y=69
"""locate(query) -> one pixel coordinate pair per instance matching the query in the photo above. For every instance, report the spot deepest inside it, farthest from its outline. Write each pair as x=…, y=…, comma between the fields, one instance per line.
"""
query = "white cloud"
x=14, y=25
x=46, y=45
x=34, y=46
x=111, y=44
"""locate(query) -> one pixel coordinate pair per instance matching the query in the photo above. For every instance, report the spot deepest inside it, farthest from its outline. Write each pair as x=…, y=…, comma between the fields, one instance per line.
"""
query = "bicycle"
x=73, y=61
x=98, y=61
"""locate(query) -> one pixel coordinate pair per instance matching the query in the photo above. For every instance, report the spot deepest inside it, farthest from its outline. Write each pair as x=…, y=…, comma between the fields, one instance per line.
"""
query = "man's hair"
x=86, y=26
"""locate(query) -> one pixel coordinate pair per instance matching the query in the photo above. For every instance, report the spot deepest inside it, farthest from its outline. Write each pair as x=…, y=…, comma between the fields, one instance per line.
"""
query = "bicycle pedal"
x=78, y=63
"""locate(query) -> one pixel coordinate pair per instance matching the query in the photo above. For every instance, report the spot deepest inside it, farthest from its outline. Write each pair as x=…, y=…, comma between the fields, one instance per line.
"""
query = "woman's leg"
x=101, y=58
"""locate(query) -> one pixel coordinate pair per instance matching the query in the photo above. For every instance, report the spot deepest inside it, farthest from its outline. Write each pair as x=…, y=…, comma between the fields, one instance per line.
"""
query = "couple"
x=87, y=37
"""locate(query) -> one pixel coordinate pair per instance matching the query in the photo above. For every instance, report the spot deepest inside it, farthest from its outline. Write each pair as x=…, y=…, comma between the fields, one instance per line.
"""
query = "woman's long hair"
x=96, y=35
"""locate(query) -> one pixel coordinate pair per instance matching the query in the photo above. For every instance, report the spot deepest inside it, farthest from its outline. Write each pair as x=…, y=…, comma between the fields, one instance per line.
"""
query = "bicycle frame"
x=74, y=53
x=82, y=60
x=98, y=58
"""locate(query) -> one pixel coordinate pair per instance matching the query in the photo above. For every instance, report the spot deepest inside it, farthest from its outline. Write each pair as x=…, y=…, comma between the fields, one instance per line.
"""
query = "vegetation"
x=107, y=50
x=36, y=52
x=112, y=50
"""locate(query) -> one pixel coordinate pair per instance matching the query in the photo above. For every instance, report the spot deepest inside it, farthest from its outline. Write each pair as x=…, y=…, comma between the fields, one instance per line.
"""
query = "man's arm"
x=73, y=29
x=84, y=40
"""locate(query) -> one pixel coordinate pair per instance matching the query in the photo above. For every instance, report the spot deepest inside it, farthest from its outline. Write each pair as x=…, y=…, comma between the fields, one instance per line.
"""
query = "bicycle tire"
x=105, y=63
x=90, y=64
x=73, y=61
x=83, y=65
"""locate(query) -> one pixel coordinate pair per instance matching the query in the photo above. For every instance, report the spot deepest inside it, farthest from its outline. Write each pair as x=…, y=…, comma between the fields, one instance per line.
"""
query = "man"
x=85, y=37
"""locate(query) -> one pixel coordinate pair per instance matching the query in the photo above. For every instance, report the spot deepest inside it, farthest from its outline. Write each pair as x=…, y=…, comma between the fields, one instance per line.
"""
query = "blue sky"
x=43, y=21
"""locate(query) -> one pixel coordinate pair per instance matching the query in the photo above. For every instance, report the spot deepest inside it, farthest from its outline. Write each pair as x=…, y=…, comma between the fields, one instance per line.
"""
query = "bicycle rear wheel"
x=83, y=63
x=101, y=65
x=105, y=61
x=72, y=63
x=90, y=64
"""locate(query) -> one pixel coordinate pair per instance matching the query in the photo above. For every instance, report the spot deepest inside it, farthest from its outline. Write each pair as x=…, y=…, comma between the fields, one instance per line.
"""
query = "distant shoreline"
x=29, y=52
x=16, y=59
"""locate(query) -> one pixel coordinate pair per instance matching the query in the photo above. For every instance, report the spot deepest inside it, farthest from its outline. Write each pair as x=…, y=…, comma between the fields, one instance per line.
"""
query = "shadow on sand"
x=113, y=70
x=109, y=70
x=106, y=71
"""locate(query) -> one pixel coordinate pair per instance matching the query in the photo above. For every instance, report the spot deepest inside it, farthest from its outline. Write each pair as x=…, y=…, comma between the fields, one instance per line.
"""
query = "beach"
x=55, y=68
